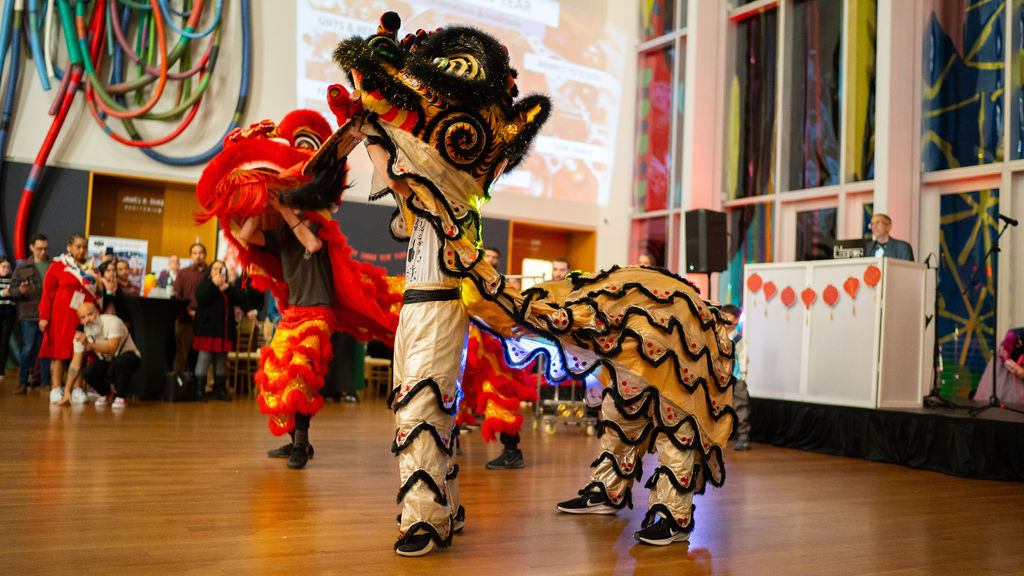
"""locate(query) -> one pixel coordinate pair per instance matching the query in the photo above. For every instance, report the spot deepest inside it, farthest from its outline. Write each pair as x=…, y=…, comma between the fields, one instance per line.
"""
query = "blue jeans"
x=31, y=339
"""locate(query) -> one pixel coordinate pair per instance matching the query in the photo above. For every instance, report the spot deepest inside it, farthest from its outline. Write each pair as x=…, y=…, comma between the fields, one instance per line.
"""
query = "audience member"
x=214, y=328
x=559, y=268
x=185, y=289
x=8, y=316
x=1009, y=365
x=106, y=337
x=493, y=257
x=167, y=277
x=645, y=260
x=27, y=289
x=881, y=244
x=740, y=398
x=124, y=282
x=69, y=283
x=107, y=289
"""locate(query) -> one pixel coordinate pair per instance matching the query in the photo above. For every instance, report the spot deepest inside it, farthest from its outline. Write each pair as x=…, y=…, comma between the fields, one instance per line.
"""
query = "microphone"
x=1008, y=220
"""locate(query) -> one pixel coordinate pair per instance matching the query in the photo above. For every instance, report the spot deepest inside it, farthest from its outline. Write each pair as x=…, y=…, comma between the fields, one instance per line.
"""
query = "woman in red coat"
x=69, y=282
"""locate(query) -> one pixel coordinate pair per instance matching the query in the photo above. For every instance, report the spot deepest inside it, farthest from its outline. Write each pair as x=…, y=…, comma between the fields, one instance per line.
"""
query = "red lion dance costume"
x=441, y=121
x=237, y=185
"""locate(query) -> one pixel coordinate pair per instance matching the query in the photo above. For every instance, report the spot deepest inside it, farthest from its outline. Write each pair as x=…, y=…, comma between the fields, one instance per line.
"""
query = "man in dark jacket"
x=881, y=244
x=27, y=289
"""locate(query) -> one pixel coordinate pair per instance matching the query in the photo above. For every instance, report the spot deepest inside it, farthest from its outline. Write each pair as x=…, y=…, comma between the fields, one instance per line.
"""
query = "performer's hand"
x=43, y=324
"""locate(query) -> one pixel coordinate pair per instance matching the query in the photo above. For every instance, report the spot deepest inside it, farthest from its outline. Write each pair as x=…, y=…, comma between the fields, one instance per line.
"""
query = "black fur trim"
x=319, y=193
x=627, y=496
x=489, y=89
x=516, y=149
x=422, y=476
x=604, y=425
x=416, y=389
x=679, y=486
x=636, y=474
x=355, y=54
x=448, y=449
x=661, y=510
x=429, y=529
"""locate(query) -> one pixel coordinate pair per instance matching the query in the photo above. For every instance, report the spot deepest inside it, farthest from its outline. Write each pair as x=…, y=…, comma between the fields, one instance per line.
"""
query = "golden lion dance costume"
x=440, y=117
x=238, y=184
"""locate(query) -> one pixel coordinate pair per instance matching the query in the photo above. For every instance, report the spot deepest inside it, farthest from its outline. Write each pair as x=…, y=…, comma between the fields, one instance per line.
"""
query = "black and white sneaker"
x=417, y=545
x=589, y=503
x=661, y=533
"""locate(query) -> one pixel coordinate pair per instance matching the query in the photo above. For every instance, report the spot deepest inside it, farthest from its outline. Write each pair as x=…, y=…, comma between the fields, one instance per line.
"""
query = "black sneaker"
x=507, y=461
x=742, y=444
x=661, y=533
x=418, y=545
x=286, y=451
x=298, y=458
x=589, y=503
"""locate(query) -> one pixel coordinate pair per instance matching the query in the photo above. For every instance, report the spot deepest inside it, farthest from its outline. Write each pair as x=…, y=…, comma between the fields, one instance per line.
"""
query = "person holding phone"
x=26, y=289
x=214, y=329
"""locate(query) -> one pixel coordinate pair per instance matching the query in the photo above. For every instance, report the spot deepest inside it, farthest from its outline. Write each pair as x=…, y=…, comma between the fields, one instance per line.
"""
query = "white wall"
x=83, y=145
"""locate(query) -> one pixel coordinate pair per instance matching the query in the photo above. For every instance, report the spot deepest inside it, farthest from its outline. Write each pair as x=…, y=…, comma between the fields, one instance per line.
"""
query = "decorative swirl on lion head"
x=452, y=88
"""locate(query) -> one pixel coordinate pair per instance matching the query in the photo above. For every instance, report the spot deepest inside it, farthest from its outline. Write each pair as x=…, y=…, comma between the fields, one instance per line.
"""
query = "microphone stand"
x=993, y=401
x=934, y=398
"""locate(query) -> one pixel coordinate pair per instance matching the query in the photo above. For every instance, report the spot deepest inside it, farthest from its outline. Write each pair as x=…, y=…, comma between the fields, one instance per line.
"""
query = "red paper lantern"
x=872, y=275
x=851, y=286
x=754, y=282
x=788, y=296
x=769, y=290
x=808, y=295
x=830, y=295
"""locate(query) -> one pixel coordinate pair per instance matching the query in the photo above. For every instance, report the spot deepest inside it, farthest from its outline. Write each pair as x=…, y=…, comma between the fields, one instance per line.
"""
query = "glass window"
x=962, y=122
x=814, y=95
x=750, y=141
x=860, y=142
x=968, y=227
x=657, y=18
x=750, y=240
x=653, y=130
x=815, y=234
x=648, y=236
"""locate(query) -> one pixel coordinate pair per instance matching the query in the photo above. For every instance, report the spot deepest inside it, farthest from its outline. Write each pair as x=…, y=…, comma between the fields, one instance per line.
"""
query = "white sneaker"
x=92, y=395
x=104, y=400
x=119, y=403
x=78, y=396
x=55, y=395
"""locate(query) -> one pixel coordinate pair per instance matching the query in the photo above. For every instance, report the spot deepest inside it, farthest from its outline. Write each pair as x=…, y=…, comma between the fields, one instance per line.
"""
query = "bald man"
x=107, y=338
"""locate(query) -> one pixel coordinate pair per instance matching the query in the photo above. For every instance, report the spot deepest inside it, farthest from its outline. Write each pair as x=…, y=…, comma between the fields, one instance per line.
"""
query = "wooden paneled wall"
x=163, y=213
x=579, y=247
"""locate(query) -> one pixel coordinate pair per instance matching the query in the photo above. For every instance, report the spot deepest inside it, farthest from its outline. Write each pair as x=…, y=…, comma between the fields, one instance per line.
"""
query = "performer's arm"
x=300, y=227
x=380, y=158
x=250, y=232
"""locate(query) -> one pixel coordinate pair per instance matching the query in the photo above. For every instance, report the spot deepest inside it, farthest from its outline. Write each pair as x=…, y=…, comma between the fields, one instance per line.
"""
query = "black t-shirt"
x=309, y=278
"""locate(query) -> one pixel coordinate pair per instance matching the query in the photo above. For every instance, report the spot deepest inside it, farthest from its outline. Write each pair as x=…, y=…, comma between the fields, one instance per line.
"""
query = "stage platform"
x=989, y=445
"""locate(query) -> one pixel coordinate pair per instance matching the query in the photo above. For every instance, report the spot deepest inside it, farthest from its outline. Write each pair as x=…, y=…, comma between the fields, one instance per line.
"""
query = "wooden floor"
x=186, y=489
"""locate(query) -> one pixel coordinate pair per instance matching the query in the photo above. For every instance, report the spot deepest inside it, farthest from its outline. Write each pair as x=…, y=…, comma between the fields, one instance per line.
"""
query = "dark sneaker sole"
x=681, y=537
x=516, y=466
x=415, y=553
x=599, y=509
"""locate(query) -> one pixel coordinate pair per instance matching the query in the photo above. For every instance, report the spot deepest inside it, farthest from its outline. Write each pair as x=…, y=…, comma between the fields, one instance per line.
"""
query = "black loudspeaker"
x=707, y=242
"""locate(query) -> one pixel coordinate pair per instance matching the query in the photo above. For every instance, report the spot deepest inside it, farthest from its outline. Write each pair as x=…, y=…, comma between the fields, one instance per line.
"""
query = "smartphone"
x=109, y=251
x=80, y=328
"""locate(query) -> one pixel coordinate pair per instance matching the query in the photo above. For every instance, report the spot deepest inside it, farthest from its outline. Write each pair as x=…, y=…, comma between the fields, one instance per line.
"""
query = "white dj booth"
x=846, y=332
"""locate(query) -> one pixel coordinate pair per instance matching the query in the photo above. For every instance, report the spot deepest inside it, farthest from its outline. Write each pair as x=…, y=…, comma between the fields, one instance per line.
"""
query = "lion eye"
x=461, y=65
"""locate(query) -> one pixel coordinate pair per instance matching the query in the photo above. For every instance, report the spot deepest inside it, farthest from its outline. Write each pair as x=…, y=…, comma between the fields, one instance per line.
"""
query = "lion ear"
x=528, y=116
